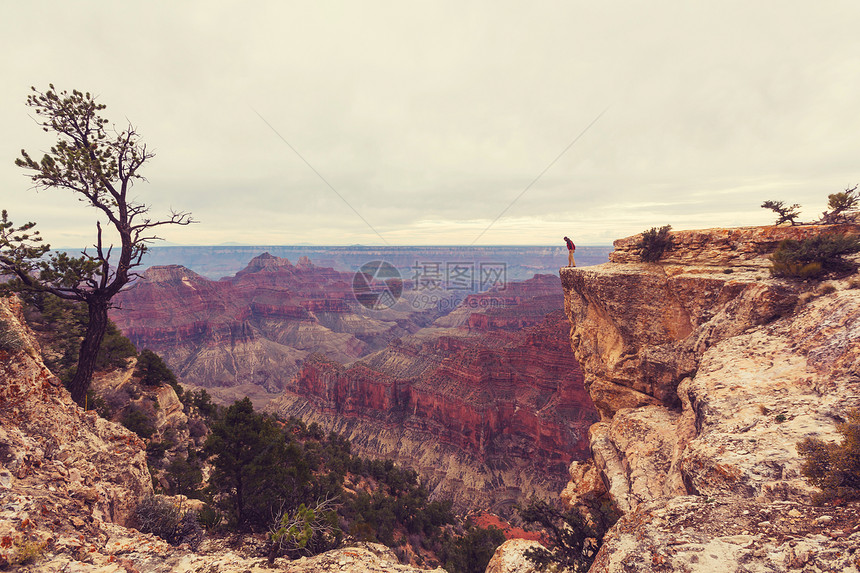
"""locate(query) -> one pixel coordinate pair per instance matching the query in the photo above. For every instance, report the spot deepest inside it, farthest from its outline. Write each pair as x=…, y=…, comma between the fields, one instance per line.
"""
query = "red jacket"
x=570, y=245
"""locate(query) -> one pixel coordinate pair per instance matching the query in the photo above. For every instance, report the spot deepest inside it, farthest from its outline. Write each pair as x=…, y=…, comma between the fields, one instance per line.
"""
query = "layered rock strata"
x=248, y=334
x=488, y=406
x=69, y=482
x=64, y=472
x=707, y=372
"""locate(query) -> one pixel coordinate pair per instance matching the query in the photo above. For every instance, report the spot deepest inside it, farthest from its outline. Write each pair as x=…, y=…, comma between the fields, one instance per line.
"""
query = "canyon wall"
x=484, y=400
x=487, y=405
x=248, y=334
x=706, y=373
x=70, y=480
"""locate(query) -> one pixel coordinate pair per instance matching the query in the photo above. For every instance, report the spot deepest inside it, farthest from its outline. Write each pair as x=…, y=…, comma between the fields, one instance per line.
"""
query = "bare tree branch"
x=99, y=168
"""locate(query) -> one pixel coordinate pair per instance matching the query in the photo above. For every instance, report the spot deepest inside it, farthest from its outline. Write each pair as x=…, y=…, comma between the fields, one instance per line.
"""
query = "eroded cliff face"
x=488, y=406
x=63, y=472
x=706, y=373
x=248, y=334
x=69, y=482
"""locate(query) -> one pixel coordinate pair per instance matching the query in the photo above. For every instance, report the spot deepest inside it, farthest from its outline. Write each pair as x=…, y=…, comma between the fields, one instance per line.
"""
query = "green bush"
x=814, y=257
x=99, y=404
x=834, y=468
x=139, y=422
x=783, y=214
x=10, y=340
x=201, y=400
x=654, y=243
x=307, y=530
x=841, y=203
x=159, y=516
x=210, y=518
x=115, y=349
x=574, y=537
x=152, y=370
x=184, y=475
x=471, y=552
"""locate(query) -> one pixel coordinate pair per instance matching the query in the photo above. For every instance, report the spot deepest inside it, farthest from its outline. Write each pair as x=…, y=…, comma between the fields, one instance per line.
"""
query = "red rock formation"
x=493, y=384
x=253, y=328
x=524, y=399
x=500, y=393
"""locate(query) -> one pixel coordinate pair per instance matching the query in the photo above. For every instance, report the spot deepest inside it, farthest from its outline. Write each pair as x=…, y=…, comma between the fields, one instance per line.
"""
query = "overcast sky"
x=431, y=118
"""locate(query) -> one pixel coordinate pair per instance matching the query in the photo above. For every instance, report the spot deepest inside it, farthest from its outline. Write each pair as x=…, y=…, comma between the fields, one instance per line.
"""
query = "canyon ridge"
x=481, y=395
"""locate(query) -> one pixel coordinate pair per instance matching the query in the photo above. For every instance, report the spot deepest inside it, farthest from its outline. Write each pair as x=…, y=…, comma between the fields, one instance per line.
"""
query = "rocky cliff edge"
x=70, y=481
x=707, y=372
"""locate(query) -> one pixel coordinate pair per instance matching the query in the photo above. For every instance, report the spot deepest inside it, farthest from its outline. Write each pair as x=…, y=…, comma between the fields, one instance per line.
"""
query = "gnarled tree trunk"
x=98, y=312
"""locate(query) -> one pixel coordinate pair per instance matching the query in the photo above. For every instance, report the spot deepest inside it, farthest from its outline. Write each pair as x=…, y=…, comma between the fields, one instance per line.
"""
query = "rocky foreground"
x=707, y=372
x=69, y=482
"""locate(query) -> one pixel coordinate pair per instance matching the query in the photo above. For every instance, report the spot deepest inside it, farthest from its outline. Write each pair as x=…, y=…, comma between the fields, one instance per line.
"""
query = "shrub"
x=307, y=530
x=814, y=257
x=99, y=404
x=115, y=349
x=197, y=428
x=839, y=204
x=209, y=517
x=184, y=476
x=200, y=400
x=784, y=214
x=152, y=370
x=654, y=243
x=20, y=552
x=827, y=288
x=10, y=340
x=159, y=516
x=574, y=537
x=139, y=422
x=472, y=552
x=805, y=298
x=834, y=468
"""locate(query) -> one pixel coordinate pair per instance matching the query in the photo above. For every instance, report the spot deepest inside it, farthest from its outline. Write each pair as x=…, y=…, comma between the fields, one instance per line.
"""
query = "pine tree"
x=100, y=165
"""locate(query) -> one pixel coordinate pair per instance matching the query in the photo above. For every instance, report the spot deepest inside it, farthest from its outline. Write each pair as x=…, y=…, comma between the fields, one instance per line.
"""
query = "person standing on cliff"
x=570, y=248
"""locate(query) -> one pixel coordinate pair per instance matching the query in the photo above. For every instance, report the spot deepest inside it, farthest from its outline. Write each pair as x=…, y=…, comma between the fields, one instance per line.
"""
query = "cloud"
x=429, y=119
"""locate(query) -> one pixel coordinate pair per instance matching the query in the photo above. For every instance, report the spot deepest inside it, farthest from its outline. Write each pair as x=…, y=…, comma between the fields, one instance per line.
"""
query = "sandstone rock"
x=691, y=533
x=69, y=480
x=510, y=557
x=487, y=414
x=726, y=247
x=706, y=380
